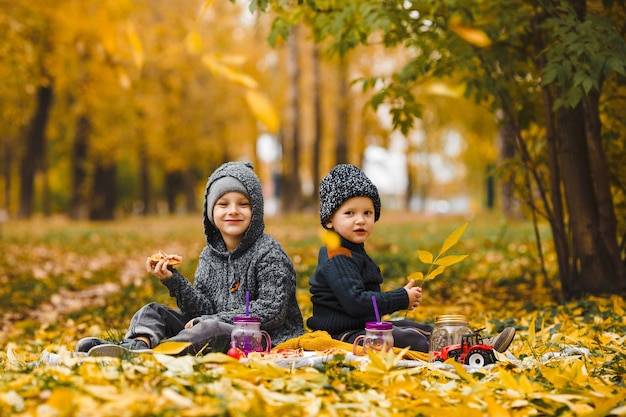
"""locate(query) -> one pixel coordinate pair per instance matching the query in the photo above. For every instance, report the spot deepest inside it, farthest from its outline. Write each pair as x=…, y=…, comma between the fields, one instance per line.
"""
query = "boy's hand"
x=159, y=270
x=415, y=295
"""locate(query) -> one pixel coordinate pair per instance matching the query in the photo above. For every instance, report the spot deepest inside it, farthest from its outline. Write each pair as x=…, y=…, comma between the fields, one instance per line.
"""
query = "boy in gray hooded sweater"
x=238, y=258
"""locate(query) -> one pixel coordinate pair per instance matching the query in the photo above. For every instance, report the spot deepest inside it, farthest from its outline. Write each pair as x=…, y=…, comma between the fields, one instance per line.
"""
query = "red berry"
x=236, y=353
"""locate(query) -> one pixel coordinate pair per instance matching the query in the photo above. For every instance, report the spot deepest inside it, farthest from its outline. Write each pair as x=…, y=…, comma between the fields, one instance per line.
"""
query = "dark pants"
x=161, y=323
x=406, y=333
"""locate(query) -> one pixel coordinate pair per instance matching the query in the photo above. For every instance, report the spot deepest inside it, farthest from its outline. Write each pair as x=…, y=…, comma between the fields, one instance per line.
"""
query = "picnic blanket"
x=320, y=340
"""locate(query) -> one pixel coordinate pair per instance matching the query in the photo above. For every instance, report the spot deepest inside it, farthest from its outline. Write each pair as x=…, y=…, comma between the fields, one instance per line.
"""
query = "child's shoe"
x=502, y=340
x=86, y=343
x=125, y=348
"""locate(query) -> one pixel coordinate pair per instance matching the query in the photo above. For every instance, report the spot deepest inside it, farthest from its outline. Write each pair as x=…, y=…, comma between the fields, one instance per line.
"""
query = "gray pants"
x=161, y=323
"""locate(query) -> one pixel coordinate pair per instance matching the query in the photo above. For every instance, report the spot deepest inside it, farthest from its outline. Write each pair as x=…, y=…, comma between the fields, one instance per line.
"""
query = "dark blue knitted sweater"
x=342, y=287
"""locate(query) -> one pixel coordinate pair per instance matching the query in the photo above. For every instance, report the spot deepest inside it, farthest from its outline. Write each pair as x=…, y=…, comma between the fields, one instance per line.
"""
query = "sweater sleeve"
x=192, y=301
x=275, y=283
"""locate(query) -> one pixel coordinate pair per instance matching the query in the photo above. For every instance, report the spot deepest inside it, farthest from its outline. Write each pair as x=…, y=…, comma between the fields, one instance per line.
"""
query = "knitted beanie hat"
x=342, y=183
x=219, y=188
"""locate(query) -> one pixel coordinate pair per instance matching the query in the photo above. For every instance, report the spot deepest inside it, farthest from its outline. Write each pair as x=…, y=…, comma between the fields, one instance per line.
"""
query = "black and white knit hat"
x=342, y=183
x=219, y=188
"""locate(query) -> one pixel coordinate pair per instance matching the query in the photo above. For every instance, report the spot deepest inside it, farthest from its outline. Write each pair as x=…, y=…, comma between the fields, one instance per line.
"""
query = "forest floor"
x=64, y=280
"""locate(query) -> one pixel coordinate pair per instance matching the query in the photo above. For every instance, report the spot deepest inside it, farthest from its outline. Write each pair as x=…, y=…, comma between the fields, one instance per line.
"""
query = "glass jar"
x=378, y=337
x=248, y=336
x=449, y=330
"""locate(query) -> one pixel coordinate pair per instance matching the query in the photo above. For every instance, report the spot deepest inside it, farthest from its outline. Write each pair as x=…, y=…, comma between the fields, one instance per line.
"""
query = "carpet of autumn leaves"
x=61, y=281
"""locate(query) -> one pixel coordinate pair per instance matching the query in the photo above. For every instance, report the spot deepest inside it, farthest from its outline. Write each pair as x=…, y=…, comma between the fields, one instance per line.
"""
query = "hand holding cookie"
x=170, y=260
x=160, y=264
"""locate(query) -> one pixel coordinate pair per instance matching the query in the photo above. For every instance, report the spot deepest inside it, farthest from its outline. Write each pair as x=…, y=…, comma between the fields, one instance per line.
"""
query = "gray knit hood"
x=244, y=173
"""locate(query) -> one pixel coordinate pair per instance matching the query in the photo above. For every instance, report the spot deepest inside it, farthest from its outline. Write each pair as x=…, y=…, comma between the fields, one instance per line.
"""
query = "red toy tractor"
x=471, y=351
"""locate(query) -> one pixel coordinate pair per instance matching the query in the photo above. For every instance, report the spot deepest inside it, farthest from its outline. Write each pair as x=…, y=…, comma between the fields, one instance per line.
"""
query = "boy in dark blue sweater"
x=346, y=278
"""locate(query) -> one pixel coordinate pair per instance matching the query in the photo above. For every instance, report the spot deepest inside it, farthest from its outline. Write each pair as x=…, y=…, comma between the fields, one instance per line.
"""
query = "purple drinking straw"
x=247, y=342
x=375, y=309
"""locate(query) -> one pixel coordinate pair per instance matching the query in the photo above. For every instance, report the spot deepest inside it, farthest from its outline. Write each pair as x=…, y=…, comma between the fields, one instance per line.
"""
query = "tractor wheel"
x=478, y=358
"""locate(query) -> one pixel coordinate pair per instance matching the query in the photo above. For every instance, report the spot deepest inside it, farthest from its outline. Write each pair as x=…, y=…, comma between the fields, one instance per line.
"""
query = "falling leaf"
x=135, y=45
x=205, y=7
x=330, y=239
x=219, y=68
x=193, y=41
x=263, y=109
x=445, y=90
x=469, y=34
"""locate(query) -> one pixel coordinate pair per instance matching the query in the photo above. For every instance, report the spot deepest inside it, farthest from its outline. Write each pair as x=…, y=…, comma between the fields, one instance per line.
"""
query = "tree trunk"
x=554, y=207
x=104, y=192
x=343, y=121
x=317, y=114
x=509, y=204
x=607, y=220
x=173, y=185
x=290, y=137
x=46, y=195
x=35, y=150
x=586, y=186
x=555, y=211
x=80, y=150
x=7, y=158
x=144, y=180
x=190, y=192
x=596, y=273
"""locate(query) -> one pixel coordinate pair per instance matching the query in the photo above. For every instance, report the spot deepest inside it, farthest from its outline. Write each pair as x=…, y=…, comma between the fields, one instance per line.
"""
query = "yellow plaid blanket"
x=320, y=340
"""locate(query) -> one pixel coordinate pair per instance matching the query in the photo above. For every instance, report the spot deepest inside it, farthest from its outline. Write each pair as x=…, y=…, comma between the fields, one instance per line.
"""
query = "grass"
x=44, y=257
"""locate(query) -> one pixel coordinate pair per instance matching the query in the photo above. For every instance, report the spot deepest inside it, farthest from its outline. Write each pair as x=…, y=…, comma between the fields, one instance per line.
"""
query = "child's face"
x=232, y=214
x=354, y=219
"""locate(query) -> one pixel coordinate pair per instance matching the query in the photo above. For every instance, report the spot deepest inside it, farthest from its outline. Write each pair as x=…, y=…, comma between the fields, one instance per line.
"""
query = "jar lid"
x=446, y=318
x=378, y=325
x=241, y=319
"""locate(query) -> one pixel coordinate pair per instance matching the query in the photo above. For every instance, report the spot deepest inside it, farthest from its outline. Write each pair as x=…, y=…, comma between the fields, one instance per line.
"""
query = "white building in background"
x=387, y=168
x=269, y=151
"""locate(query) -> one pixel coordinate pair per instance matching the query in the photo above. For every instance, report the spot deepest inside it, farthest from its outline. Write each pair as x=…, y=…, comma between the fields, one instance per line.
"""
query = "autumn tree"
x=545, y=68
x=27, y=96
x=113, y=106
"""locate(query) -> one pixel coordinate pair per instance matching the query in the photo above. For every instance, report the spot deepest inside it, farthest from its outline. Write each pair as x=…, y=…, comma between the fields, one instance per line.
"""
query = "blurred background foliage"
x=113, y=109
x=125, y=107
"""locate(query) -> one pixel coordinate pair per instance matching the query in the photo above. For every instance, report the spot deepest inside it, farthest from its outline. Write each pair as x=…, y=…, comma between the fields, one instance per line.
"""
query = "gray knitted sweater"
x=258, y=265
